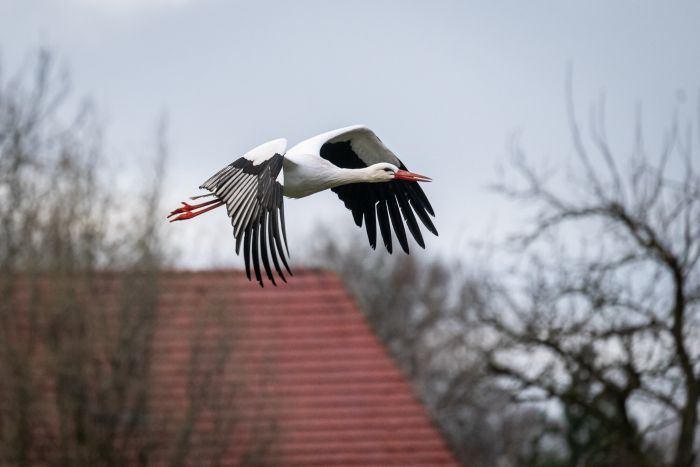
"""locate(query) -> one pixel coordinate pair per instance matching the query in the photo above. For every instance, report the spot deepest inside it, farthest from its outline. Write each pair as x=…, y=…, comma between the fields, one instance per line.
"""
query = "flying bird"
x=352, y=162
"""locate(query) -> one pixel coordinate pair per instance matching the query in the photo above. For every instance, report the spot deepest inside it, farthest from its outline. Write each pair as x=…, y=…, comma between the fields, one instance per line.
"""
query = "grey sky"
x=444, y=84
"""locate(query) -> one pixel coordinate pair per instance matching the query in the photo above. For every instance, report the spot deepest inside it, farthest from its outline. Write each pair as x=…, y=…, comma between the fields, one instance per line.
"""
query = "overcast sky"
x=445, y=84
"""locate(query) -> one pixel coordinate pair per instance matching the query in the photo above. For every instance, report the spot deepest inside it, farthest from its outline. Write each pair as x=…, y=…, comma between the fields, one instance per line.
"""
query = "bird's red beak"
x=411, y=177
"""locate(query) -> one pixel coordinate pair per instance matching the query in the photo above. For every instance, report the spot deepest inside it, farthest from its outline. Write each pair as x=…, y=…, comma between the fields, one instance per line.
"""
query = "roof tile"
x=334, y=394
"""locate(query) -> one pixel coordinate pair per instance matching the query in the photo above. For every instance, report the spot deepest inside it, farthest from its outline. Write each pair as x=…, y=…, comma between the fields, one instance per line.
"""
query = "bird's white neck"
x=346, y=176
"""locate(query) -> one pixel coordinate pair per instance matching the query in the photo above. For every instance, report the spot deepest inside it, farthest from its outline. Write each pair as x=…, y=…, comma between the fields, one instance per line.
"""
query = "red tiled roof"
x=314, y=371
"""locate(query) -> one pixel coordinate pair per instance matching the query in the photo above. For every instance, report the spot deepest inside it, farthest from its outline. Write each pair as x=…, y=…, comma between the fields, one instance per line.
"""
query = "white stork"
x=353, y=162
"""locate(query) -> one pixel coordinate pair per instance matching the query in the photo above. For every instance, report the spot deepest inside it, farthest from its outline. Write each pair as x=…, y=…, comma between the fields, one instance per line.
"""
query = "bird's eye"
x=387, y=170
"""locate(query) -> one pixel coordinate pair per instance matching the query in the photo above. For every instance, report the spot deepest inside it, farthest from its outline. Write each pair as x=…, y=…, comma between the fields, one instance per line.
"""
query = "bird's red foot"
x=185, y=208
x=187, y=211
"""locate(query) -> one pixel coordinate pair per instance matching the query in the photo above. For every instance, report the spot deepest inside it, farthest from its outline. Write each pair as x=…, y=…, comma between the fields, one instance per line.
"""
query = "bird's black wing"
x=255, y=205
x=389, y=204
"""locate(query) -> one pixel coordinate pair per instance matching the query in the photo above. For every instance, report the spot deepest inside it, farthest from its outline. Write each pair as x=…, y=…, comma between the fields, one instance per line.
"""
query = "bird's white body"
x=306, y=174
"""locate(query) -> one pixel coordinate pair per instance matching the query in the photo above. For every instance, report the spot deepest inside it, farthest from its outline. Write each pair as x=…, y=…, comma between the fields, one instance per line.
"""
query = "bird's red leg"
x=191, y=207
x=187, y=211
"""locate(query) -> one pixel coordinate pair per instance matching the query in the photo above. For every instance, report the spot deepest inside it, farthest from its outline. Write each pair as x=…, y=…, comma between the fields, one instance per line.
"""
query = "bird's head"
x=385, y=172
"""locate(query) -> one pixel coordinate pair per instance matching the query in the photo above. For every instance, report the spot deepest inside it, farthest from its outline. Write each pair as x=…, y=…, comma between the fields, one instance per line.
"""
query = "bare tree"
x=582, y=348
x=81, y=278
x=424, y=310
x=599, y=317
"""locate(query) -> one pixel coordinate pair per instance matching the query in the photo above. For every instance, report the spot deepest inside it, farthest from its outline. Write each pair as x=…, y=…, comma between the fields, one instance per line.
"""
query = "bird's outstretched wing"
x=400, y=201
x=255, y=204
